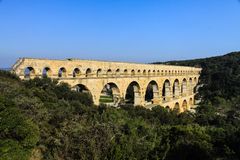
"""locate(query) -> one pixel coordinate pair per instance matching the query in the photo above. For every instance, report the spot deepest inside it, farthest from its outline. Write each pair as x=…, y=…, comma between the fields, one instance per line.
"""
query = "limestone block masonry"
x=171, y=86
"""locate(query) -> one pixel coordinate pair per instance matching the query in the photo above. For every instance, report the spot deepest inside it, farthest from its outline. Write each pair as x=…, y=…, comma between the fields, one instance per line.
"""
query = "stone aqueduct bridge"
x=170, y=86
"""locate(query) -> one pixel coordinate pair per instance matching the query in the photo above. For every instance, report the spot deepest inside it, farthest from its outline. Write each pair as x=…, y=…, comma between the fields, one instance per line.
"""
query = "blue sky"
x=120, y=30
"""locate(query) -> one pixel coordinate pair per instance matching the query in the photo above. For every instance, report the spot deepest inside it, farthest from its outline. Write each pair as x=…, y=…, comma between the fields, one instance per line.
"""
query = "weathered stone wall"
x=94, y=75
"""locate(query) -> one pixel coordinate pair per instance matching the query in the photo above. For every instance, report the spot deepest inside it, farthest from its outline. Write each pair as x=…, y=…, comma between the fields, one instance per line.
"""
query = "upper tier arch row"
x=29, y=68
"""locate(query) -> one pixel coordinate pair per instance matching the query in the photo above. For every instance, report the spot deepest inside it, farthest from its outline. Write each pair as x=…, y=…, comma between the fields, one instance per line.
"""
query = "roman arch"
x=114, y=82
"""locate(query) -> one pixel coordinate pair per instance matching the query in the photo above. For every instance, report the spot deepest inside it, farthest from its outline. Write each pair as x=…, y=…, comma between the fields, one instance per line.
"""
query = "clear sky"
x=119, y=30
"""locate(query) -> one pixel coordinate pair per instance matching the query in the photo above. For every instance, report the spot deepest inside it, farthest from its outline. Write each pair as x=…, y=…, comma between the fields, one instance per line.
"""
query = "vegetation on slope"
x=42, y=120
x=220, y=75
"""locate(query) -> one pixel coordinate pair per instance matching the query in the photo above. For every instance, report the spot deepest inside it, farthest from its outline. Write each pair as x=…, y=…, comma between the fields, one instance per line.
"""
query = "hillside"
x=220, y=75
x=41, y=119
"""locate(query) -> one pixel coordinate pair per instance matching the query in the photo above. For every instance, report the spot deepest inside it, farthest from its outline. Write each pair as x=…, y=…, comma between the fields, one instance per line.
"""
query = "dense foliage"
x=41, y=119
x=220, y=75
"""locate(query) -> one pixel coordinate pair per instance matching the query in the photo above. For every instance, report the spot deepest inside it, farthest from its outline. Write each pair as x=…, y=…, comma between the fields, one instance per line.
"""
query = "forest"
x=42, y=119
